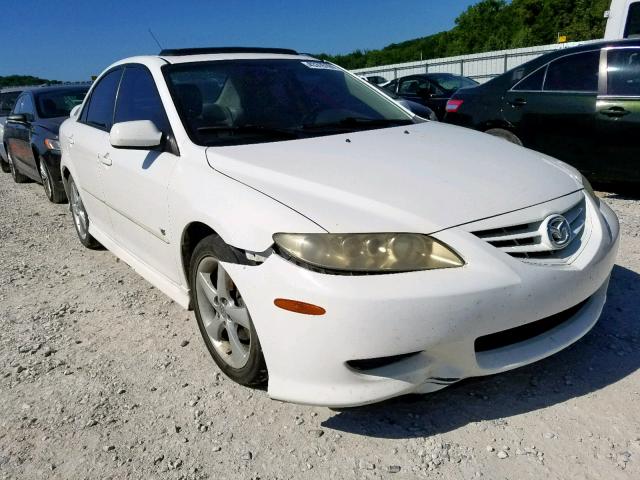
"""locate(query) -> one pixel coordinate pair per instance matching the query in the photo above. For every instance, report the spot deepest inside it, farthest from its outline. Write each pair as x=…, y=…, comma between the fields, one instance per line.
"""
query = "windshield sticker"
x=320, y=65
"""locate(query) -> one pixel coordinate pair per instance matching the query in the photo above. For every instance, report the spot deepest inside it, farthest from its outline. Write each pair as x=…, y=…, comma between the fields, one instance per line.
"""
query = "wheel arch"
x=489, y=124
x=194, y=233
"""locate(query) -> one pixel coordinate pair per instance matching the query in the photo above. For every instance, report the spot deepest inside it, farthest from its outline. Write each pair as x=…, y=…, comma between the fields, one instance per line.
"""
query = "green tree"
x=493, y=25
x=20, y=80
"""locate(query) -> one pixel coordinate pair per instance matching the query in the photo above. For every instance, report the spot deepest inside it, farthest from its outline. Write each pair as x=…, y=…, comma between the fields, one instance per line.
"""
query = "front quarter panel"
x=244, y=217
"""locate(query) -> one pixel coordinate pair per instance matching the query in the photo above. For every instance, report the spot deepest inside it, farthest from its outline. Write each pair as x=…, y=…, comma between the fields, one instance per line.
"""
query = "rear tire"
x=506, y=135
x=4, y=166
x=80, y=217
x=17, y=176
x=54, y=193
x=223, y=317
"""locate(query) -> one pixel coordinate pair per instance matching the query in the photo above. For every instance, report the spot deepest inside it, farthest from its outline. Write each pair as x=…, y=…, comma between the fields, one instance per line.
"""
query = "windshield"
x=58, y=103
x=7, y=101
x=452, y=83
x=251, y=101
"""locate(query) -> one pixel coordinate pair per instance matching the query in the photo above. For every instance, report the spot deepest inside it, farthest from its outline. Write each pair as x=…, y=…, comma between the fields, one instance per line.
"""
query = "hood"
x=51, y=124
x=421, y=178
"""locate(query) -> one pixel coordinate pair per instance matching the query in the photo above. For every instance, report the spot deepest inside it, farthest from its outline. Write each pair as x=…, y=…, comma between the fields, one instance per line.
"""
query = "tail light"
x=453, y=105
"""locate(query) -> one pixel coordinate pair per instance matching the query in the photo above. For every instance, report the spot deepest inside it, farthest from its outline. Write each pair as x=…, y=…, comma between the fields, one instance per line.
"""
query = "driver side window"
x=138, y=99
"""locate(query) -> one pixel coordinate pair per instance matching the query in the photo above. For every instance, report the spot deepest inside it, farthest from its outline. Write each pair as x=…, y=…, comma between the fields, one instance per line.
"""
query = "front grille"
x=525, y=332
x=524, y=241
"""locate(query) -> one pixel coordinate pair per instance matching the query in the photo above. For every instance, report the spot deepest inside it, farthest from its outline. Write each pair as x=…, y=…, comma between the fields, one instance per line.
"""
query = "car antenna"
x=155, y=39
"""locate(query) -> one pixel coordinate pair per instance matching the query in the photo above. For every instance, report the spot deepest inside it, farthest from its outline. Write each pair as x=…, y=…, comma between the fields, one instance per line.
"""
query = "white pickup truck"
x=623, y=20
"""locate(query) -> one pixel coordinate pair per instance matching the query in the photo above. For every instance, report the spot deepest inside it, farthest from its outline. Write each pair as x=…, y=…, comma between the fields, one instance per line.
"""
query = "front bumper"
x=438, y=313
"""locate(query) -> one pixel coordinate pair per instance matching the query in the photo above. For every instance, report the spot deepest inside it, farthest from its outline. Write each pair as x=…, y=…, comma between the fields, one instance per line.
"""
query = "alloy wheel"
x=224, y=314
x=78, y=211
x=46, y=179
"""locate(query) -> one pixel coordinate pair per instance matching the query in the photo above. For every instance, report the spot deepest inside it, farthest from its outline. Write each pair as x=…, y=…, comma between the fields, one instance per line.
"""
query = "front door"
x=136, y=180
x=89, y=136
x=18, y=137
x=618, y=118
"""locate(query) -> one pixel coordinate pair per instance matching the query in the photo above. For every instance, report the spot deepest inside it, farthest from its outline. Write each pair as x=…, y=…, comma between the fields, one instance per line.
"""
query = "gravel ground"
x=101, y=376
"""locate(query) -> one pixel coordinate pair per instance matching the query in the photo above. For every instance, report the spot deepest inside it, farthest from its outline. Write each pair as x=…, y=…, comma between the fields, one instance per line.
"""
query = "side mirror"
x=18, y=118
x=136, y=134
x=75, y=111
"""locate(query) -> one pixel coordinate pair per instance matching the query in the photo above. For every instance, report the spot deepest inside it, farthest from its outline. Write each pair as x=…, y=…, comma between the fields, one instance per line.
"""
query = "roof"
x=53, y=88
x=20, y=88
x=218, y=50
x=46, y=88
x=591, y=45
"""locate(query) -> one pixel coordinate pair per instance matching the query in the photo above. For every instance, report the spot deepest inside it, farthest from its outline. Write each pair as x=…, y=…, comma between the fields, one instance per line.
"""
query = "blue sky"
x=74, y=39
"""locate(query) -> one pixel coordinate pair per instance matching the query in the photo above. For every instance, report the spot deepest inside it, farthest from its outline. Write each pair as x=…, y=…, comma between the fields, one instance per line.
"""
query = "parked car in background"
x=31, y=135
x=376, y=79
x=292, y=206
x=581, y=105
x=8, y=97
x=414, y=107
x=429, y=89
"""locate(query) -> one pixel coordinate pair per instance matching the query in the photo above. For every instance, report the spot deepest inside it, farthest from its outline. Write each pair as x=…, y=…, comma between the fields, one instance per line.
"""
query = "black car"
x=376, y=79
x=413, y=107
x=8, y=97
x=580, y=105
x=430, y=89
x=31, y=135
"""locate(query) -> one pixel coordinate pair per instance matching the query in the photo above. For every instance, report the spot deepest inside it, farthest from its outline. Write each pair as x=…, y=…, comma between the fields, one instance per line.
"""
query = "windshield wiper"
x=351, y=123
x=249, y=129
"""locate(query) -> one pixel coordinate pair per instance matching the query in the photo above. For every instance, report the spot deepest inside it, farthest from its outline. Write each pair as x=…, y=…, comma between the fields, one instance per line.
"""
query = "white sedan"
x=330, y=243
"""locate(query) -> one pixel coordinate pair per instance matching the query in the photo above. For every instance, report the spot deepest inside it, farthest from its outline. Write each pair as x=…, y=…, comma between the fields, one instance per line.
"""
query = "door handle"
x=518, y=102
x=70, y=139
x=105, y=159
x=615, y=112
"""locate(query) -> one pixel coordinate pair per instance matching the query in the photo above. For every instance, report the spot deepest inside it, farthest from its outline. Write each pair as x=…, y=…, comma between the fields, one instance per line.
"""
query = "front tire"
x=17, y=176
x=506, y=135
x=223, y=317
x=54, y=193
x=80, y=217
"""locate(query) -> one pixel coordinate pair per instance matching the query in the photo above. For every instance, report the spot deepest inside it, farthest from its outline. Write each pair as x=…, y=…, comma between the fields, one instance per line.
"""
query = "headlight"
x=588, y=189
x=52, y=144
x=367, y=252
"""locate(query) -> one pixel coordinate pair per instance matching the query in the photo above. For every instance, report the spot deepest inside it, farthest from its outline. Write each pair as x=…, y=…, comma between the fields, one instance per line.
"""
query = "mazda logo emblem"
x=558, y=232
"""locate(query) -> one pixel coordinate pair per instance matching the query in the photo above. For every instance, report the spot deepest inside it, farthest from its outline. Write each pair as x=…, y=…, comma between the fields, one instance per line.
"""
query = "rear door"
x=553, y=109
x=618, y=118
x=136, y=180
x=87, y=140
x=18, y=136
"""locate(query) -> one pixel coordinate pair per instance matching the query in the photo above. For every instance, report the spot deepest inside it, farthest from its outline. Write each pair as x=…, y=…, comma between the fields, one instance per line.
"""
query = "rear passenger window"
x=623, y=72
x=574, y=73
x=138, y=99
x=532, y=83
x=99, y=112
